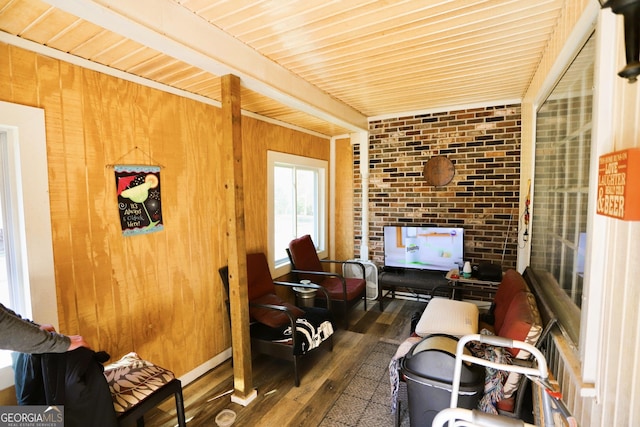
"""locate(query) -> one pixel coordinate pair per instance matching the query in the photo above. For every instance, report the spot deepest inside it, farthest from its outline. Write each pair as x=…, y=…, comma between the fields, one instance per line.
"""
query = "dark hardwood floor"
x=323, y=376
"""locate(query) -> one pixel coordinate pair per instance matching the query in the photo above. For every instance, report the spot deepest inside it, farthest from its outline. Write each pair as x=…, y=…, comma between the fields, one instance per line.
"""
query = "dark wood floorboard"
x=324, y=375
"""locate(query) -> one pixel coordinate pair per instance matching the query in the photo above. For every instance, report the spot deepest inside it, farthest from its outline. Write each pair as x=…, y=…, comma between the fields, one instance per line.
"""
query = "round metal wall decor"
x=439, y=171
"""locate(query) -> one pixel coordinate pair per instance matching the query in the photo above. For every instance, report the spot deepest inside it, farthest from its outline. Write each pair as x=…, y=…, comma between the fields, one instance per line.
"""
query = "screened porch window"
x=562, y=157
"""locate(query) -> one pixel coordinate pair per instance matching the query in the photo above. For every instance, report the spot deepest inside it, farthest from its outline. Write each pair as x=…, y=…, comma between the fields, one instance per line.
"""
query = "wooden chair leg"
x=296, y=374
x=137, y=412
x=346, y=316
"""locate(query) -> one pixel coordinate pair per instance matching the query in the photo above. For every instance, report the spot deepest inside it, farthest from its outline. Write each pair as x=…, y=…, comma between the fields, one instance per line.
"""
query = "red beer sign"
x=619, y=185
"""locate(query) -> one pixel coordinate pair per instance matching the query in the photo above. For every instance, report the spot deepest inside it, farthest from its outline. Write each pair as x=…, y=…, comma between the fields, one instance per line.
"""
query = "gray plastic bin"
x=428, y=370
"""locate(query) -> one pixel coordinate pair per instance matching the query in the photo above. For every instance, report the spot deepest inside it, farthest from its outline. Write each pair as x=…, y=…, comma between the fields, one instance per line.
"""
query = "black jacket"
x=74, y=380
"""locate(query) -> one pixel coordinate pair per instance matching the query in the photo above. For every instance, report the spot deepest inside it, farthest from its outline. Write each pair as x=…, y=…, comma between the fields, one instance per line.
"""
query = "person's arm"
x=21, y=335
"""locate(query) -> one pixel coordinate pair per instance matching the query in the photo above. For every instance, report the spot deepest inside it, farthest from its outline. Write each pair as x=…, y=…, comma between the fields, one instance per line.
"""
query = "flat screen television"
x=423, y=248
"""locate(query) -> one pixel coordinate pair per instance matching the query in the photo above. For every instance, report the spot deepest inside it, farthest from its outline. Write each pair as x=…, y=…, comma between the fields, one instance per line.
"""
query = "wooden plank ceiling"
x=372, y=57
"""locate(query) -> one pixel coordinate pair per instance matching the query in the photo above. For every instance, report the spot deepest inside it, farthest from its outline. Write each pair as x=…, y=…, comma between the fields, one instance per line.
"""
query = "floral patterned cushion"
x=131, y=379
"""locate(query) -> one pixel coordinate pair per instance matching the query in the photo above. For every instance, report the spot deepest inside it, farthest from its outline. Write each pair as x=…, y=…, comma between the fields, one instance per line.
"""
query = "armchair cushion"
x=333, y=285
x=259, y=279
x=305, y=257
x=272, y=318
x=307, y=266
x=511, y=284
x=522, y=322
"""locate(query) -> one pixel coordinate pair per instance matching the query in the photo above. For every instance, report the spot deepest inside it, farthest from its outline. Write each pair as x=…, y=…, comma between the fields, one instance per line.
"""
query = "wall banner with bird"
x=139, y=203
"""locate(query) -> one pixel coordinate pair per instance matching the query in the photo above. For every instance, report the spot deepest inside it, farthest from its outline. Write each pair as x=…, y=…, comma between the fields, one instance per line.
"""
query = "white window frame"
x=24, y=128
x=605, y=79
x=274, y=158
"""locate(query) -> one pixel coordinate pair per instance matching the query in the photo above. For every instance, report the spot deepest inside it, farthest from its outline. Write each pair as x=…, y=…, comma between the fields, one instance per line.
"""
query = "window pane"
x=296, y=186
x=307, y=203
x=5, y=297
x=11, y=292
x=5, y=288
x=562, y=158
x=10, y=288
x=284, y=210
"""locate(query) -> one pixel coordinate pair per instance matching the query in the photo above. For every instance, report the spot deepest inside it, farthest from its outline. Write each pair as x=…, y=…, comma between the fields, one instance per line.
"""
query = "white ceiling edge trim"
x=167, y=27
x=284, y=124
x=13, y=40
x=577, y=37
x=445, y=109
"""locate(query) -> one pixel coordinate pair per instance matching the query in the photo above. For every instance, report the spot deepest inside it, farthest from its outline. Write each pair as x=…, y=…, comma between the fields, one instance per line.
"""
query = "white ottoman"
x=447, y=316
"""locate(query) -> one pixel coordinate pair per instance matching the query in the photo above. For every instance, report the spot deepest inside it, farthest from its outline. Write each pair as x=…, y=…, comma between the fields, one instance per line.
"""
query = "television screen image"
x=423, y=248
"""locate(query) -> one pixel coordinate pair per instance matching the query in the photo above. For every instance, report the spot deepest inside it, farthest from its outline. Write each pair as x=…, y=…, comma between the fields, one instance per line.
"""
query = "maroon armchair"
x=278, y=328
x=344, y=292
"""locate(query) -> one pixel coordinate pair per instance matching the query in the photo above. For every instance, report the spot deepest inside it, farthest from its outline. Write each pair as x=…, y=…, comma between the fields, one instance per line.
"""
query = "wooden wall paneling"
x=78, y=280
x=154, y=334
x=48, y=76
x=157, y=294
x=344, y=200
x=146, y=249
x=8, y=396
x=171, y=316
x=130, y=145
x=5, y=72
x=66, y=295
x=199, y=223
x=99, y=101
x=24, y=84
x=123, y=325
x=82, y=163
x=110, y=326
x=140, y=251
x=85, y=295
x=57, y=146
x=102, y=212
x=256, y=138
x=107, y=144
x=166, y=134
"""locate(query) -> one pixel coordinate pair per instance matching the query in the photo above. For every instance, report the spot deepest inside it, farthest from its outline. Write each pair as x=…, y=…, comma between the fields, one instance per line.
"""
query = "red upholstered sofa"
x=513, y=314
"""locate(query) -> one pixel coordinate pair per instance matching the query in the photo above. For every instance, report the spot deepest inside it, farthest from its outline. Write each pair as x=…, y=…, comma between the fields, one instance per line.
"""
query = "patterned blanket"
x=494, y=379
x=312, y=329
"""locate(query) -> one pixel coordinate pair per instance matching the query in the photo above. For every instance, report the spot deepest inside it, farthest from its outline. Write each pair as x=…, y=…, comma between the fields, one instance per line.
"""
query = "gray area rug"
x=367, y=399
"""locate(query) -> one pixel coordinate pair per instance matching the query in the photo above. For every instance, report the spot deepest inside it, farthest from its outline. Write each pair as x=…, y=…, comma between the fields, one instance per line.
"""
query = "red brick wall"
x=484, y=146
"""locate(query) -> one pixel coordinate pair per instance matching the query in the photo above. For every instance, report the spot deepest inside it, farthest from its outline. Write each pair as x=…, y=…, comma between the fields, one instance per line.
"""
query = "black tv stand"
x=415, y=281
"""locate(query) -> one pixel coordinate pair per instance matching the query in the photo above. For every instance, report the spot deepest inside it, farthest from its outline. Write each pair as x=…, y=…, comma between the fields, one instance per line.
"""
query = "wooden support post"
x=244, y=392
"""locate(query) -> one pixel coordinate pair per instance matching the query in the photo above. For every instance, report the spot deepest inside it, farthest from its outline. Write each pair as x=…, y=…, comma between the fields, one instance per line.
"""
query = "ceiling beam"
x=169, y=28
